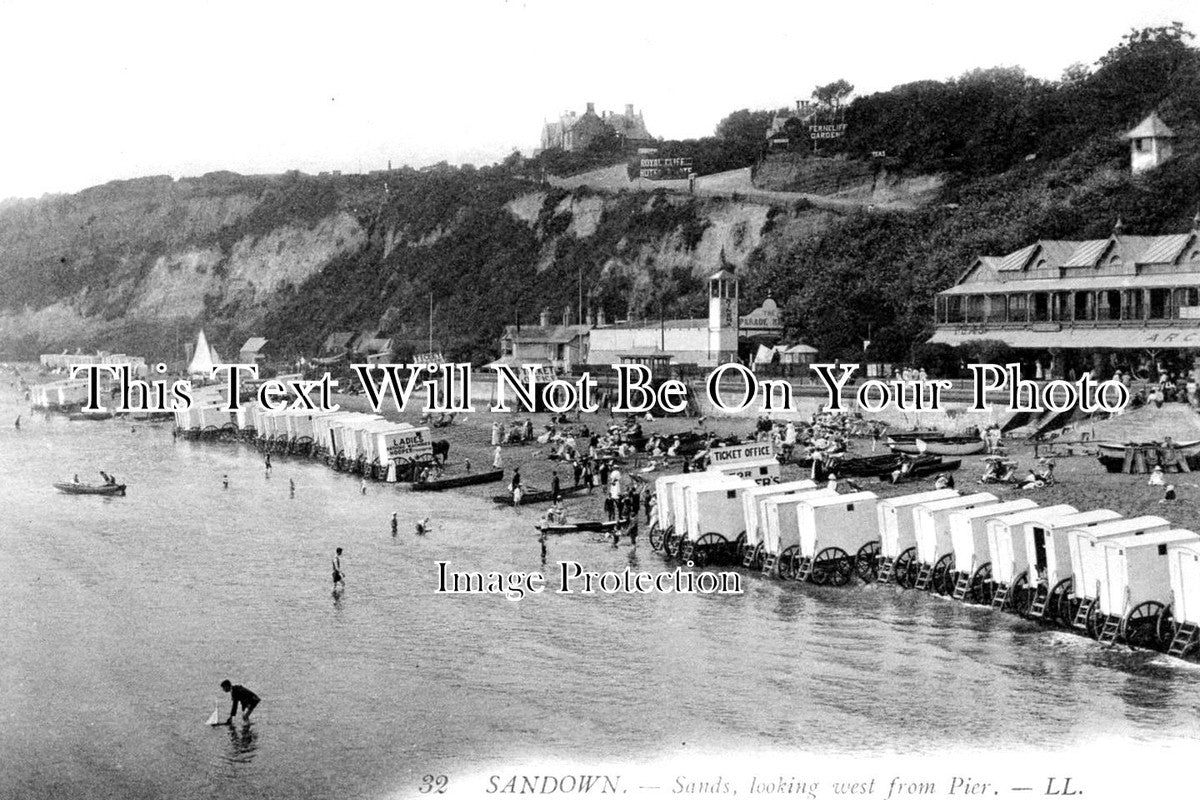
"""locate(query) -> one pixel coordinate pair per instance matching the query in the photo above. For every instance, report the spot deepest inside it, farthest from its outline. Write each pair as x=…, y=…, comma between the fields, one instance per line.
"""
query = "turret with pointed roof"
x=1149, y=143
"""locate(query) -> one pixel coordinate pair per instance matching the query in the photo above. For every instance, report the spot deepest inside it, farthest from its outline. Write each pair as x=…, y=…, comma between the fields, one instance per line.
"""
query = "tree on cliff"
x=832, y=94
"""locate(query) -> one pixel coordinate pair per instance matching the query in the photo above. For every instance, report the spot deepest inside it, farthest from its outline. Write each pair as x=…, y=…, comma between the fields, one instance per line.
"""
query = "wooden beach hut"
x=1183, y=624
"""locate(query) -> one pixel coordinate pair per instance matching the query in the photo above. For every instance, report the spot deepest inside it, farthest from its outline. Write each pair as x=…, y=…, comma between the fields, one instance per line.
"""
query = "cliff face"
x=137, y=265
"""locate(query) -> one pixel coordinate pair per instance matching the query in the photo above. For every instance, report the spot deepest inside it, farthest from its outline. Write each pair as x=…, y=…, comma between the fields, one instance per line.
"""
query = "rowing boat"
x=539, y=496
x=957, y=446
x=589, y=525
x=458, y=480
x=107, y=489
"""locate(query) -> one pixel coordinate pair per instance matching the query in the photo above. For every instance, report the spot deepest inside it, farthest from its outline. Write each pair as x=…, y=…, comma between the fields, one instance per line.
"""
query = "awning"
x=1114, y=338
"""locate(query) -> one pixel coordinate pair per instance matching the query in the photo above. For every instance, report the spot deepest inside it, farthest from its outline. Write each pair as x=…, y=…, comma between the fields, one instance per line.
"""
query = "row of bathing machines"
x=1130, y=580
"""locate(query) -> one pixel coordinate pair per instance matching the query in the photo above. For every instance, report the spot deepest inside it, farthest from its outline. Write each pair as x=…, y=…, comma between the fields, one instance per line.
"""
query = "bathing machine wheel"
x=708, y=549
x=789, y=562
x=943, y=575
x=904, y=572
x=866, y=563
x=982, y=586
x=832, y=566
x=1140, y=627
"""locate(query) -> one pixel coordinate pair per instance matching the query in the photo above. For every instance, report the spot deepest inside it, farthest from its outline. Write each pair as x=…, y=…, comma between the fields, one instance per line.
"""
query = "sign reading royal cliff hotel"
x=664, y=169
x=738, y=453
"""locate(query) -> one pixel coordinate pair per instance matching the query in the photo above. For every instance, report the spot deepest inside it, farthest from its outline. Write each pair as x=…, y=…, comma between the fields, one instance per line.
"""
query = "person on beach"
x=338, y=575
x=268, y=462
x=17, y=424
x=1156, y=476
x=542, y=540
x=242, y=696
x=555, y=487
x=589, y=478
x=292, y=487
x=577, y=468
x=423, y=526
x=395, y=524
x=225, y=480
x=363, y=485
x=497, y=458
x=1169, y=495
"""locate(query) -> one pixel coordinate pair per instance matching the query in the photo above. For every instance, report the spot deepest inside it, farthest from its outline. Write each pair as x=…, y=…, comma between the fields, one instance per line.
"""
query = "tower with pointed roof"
x=1149, y=144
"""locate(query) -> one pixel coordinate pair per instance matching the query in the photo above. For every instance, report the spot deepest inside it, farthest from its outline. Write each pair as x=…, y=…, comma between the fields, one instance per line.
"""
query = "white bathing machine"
x=326, y=442
x=1183, y=561
x=377, y=462
x=663, y=521
x=1086, y=561
x=763, y=471
x=780, y=529
x=715, y=521
x=839, y=537
x=1013, y=589
x=300, y=431
x=670, y=539
x=898, y=534
x=1048, y=555
x=1134, y=588
x=935, y=551
x=972, y=556
x=343, y=439
x=752, y=500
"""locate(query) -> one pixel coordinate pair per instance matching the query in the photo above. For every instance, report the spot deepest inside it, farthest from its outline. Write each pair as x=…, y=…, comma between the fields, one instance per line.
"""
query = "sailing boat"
x=215, y=719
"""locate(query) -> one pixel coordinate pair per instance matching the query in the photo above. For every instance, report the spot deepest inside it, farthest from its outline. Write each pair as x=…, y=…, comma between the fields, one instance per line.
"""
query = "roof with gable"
x=1063, y=264
x=1152, y=127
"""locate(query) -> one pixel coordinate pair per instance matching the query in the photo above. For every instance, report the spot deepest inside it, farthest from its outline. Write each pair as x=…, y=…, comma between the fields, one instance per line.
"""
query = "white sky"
x=104, y=89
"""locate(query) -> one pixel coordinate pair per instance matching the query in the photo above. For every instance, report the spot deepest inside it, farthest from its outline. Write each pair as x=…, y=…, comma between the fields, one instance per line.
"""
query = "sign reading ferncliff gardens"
x=835, y=131
x=664, y=169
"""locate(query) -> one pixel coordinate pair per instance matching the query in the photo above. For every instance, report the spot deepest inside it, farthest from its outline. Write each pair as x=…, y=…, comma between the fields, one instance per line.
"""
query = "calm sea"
x=120, y=617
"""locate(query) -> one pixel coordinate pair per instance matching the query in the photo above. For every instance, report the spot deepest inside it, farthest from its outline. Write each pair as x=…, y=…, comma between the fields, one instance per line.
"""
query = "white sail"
x=215, y=719
x=204, y=358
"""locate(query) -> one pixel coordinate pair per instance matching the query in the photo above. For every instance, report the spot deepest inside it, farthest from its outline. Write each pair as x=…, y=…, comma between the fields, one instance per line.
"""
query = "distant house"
x=252, y=351
x=576, y=131
x=337, y=342
x=560, y=347
x=373, y=347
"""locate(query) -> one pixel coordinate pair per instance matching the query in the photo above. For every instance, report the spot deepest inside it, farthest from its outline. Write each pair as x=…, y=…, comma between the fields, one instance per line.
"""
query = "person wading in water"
x=338, y=577
x=242, y=696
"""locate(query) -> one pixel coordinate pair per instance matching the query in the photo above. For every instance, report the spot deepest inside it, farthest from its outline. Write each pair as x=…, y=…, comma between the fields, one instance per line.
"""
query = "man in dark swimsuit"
x=241, y=696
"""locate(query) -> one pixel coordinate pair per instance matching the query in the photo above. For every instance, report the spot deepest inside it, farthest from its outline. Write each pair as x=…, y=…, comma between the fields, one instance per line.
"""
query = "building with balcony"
x=1120, y=293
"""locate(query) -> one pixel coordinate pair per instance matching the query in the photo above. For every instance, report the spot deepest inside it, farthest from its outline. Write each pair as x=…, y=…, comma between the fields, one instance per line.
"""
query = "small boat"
x=459, y=480
x=589, y=525
x=89, y=416
x=952, y=446
x=1114, y=450
x=539, y=496
x=111, y=489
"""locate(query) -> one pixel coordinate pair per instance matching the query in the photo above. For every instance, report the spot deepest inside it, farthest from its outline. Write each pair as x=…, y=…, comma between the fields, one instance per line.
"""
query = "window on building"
x=1137, y=145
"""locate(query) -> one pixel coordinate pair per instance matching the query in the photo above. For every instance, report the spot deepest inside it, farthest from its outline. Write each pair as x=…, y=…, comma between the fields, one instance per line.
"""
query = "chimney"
x=600, y=317
x=629, y=110
x=544, y=319
x=591, y=108
x=566, y=315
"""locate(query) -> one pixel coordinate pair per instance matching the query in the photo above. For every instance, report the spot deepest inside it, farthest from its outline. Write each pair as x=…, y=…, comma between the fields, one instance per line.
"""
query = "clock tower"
x=722, y=317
